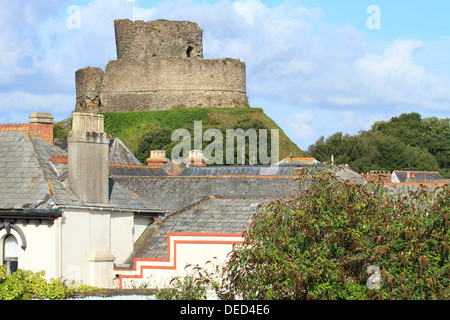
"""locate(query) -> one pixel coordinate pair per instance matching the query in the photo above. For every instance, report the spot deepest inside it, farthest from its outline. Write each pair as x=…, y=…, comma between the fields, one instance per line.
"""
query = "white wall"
x=81, y=246
x=183, y=249
x=93, y=241
x=121, y=235
x=140, y=224
x=394, y=178
x=86, y=247
x=41, y=251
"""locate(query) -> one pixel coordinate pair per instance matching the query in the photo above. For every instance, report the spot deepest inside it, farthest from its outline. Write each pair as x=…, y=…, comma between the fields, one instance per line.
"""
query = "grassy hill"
x=133, y=127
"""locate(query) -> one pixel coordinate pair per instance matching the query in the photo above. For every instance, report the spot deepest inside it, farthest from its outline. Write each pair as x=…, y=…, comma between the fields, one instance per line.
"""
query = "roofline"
x=434, y=171
x=30, y=214
x=144, y=211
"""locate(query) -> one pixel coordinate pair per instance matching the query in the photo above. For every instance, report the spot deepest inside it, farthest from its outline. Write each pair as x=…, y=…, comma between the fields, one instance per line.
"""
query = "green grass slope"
x=131, y=127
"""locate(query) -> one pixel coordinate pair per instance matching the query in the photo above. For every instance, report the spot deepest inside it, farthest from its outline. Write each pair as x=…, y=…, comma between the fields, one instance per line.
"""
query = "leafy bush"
x=25, y=285
x=196, y=285
x=320, y=245
x=59, y=132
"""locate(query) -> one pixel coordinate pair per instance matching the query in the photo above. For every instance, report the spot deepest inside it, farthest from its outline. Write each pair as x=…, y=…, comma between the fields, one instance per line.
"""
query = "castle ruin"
x=160, y=66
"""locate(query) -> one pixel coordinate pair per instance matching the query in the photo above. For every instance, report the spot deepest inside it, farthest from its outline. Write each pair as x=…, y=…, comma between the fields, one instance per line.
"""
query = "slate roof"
x=419, y=176
x=118, y=152
x=237, y=170
x=28, y=180
x=346, y=173
x=135, y=170
x=210, y=215
x=24, y=181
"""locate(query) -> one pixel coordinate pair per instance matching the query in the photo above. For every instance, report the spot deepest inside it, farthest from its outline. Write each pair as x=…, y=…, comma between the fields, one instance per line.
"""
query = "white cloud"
x=27, y=102
x=394, y=78
x=307, y=126
x=248, y=9
x=299, y=125
x=13, y=57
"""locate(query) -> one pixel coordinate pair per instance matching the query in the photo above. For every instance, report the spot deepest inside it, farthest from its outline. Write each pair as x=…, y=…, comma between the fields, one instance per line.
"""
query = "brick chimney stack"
x=41, y=123
x=88, y=149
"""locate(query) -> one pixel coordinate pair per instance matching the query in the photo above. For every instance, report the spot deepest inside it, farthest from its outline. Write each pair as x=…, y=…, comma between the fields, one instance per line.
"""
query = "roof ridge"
x=14, y=126
x=423, y=171
x=59, y=159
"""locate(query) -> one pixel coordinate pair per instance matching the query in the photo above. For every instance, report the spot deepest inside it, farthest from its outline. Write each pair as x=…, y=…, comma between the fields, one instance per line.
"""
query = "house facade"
x=47, y=222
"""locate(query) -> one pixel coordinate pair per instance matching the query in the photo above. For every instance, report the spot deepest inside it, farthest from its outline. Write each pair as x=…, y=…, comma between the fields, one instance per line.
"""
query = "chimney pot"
x=157, y=158
x=196, y=159
x=87, y=121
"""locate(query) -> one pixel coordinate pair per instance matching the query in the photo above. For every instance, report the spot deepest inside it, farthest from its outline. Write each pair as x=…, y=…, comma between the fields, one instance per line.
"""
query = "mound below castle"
x=160, y=66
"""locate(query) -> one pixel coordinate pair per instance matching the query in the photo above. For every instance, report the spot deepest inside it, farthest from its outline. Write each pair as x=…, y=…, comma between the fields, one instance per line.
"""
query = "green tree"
x=249, y=124
x=439, y=140
x=156, y=139
x=320, y=245
x=408, y=127
x=59, y=132
x=404, y=142
x=430, y=134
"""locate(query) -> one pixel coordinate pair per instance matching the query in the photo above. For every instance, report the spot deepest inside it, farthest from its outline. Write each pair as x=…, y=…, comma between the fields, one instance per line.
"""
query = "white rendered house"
x=59, y=211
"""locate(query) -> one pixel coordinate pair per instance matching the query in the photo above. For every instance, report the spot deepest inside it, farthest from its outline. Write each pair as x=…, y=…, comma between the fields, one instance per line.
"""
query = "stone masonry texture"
x=160, y=66
x=159, y=38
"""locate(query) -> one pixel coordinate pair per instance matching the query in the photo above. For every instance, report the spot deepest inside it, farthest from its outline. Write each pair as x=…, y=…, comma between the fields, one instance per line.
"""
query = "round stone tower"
x=160, y=66
x=159, y=38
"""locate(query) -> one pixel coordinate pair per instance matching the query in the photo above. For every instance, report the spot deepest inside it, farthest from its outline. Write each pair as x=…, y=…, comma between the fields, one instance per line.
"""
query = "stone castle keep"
x=160, y=66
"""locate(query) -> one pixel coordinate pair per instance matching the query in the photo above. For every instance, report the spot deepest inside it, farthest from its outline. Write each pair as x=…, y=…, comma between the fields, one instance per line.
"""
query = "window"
x=10, y=253
x=188, y=51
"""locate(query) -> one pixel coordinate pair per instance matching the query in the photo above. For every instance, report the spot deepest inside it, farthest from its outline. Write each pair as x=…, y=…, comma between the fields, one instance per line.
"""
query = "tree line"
x=406, y=142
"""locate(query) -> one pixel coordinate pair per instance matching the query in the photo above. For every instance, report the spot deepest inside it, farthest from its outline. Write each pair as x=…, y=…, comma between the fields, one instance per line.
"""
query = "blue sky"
x=314, y=66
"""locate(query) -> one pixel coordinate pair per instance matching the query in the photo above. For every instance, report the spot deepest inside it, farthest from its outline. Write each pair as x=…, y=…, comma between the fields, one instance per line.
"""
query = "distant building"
x=401, y=176
x=377, y=176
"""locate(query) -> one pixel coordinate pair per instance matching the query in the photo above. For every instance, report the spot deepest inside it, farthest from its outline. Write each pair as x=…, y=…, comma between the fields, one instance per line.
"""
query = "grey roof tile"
x=28, y=178
x=236, y=170
x=212, y=215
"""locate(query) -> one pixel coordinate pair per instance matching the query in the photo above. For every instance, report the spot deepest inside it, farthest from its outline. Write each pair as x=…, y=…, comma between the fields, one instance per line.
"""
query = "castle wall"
x=159, y=38
x=89, y=83
x=160, y=66
x=166, y=83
